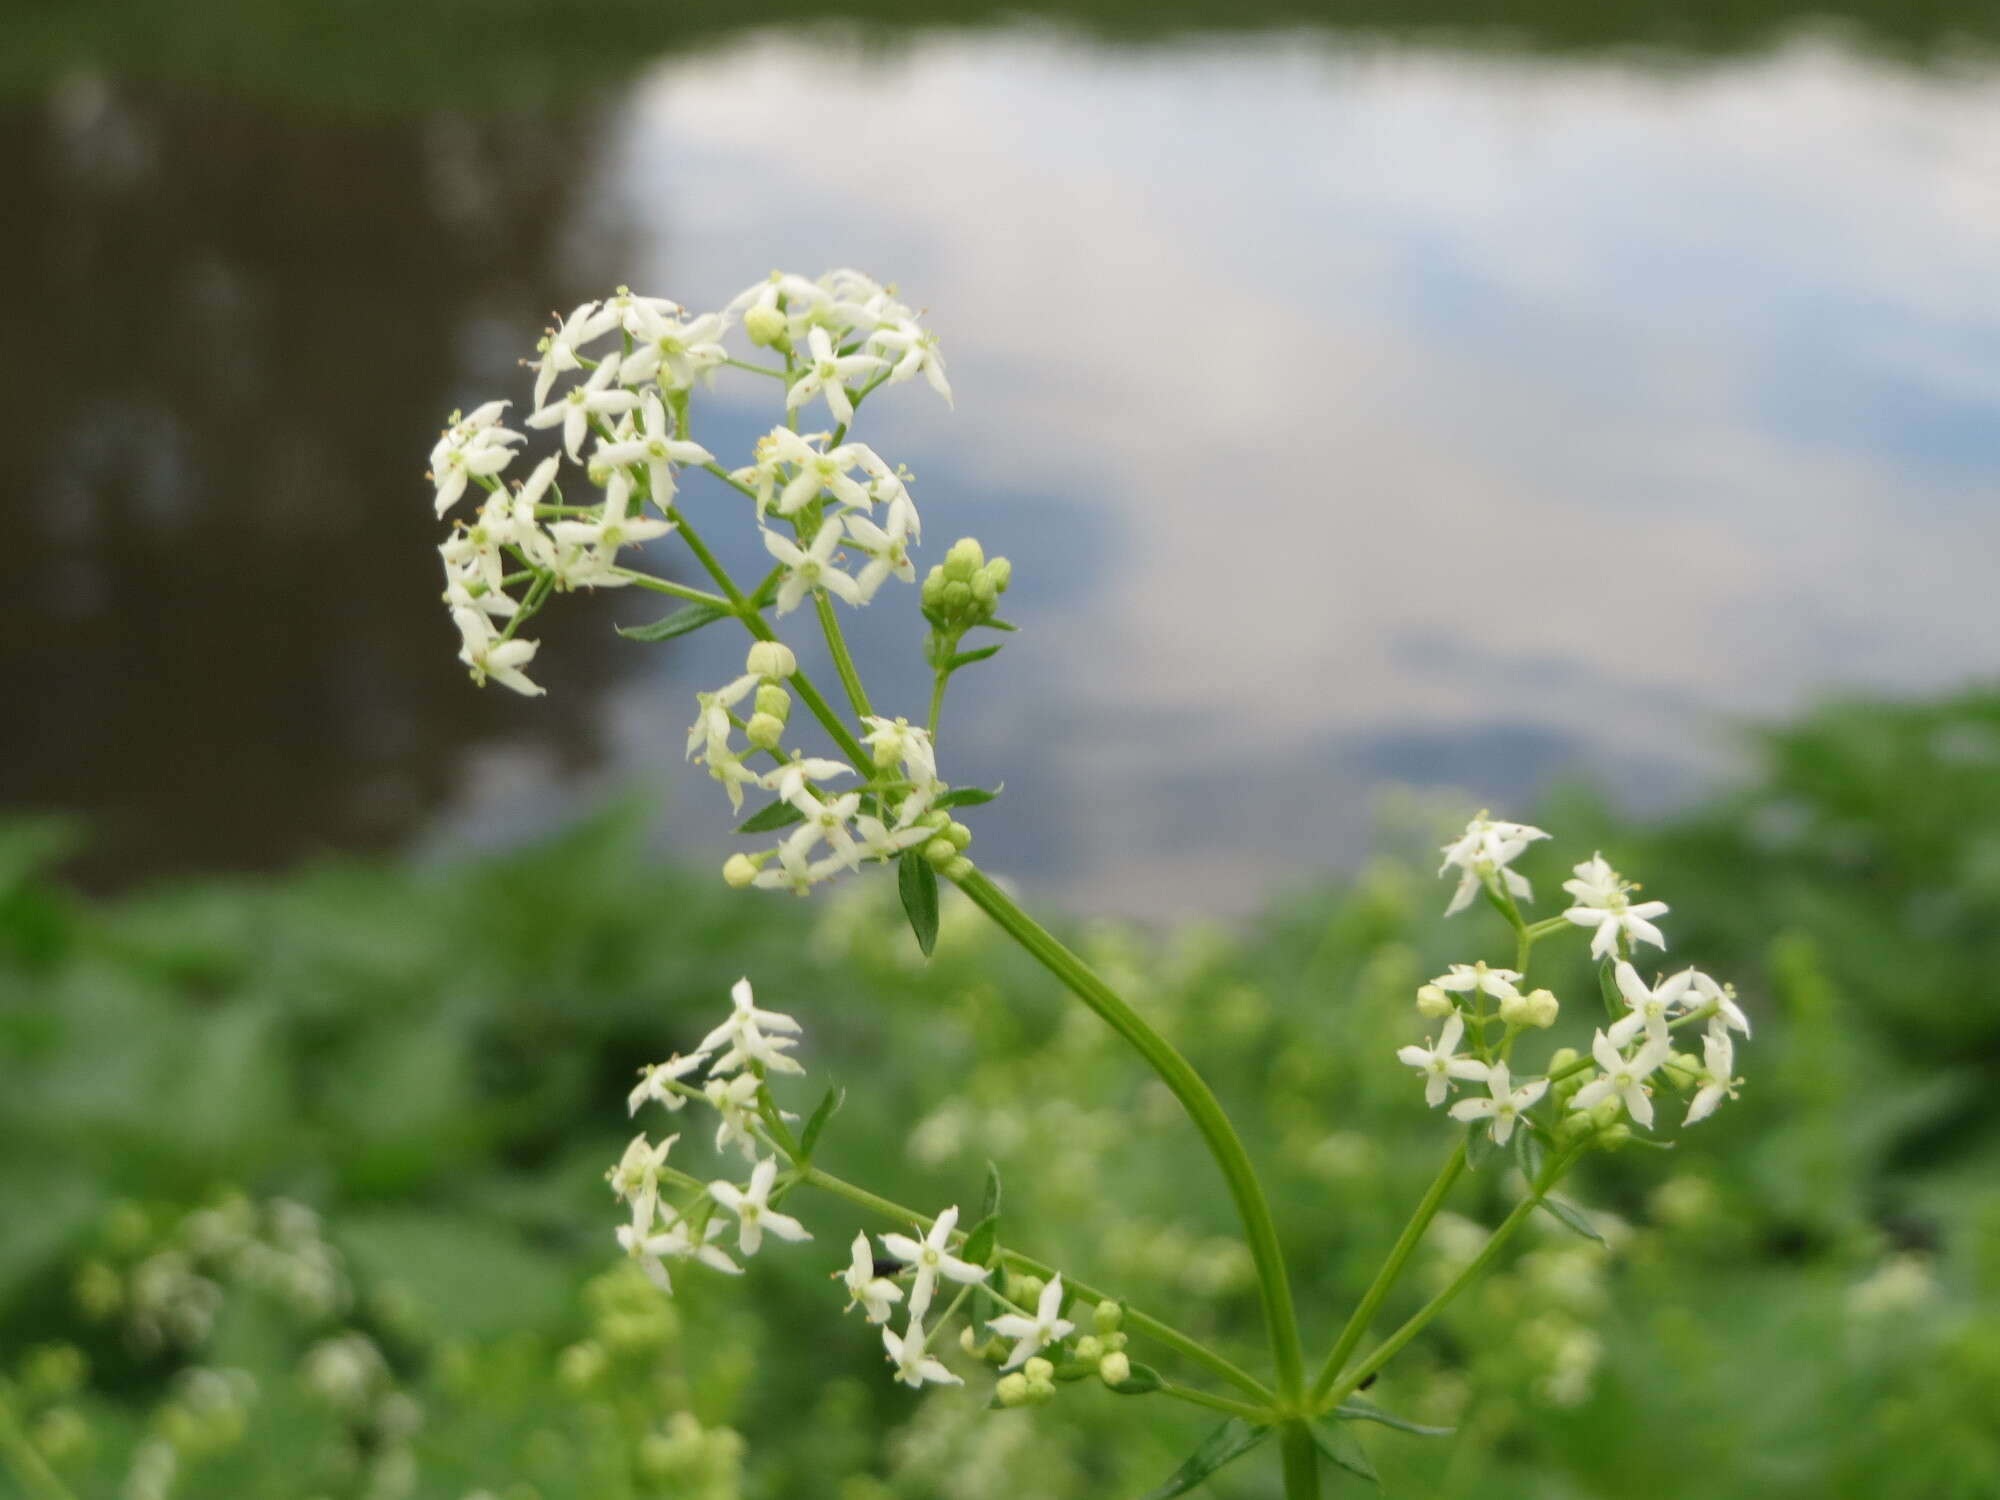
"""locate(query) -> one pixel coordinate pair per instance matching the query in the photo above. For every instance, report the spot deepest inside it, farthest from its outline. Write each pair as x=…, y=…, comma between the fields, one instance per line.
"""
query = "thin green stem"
x=937, y=701
x=1235, y=1408
x=26, y=1460
x=1138, y=1322
x=843, y=660
x=1261, y=1232
x=1392, y=1268
x=1390, y=1347
x=744, y=364
x=1300, y=1453
x=677, y=590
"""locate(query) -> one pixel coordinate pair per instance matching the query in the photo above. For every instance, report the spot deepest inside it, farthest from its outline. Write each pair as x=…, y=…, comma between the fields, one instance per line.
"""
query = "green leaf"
x=978, y=1246
x=765, y=819
x=1573, y=1216
x=1607, y=985
x=829, y=1106
x=968, y=796
x=1479, y=1147
x=967, y=658
x=1143, y=1380
x=990, y=1204
x=680, y=622
x=1356, y=1410
x=1227, y=1443
x=917, y=882
x=1528, y=1152
x=999, y=625
x=1345, y=1449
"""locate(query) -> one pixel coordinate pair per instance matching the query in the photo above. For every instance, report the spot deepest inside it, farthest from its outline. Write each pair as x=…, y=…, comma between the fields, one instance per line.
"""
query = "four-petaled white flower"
x=489, y=656
x=558, y=347
x=654, y=1078
x=753, y=1210
x=597, y=542
x=1650, y=1007
x=812, y=567
x=708, y=736
x=826, y=821
x=657, y=448
x=1506, y=1103
x=1485, y=849
x=912, y=1359
x=1622, y=1078
x=1471, y=979
x=875, y=1294
x=1031, y=1335
x=474, y=446
x=932, y=1260
x=671, y=350
x=1706, y=996
x=914, y=351
x=573, y=410
x=1441, y=1064
x=747, y=1034
x=636, y=1178
x=1602, y=902
x=1718, y=1067
x=887, y=549
x=674, y=1242
x=827, y=373
x=734, y=1101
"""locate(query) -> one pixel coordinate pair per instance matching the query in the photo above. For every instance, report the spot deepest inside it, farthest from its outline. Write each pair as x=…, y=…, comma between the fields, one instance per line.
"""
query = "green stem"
x=843, y=660
x=678, y=590
x=1300, y=1452
x=937, y=701
x=27, y=1463
x=1152, y=1328
x=1392, y=1268
x=1390, y=1347
x=1281, y=1321
x=1258, y=1414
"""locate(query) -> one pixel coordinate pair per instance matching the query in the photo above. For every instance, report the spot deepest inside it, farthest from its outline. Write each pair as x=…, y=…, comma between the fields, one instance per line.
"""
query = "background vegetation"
x=302, y=1181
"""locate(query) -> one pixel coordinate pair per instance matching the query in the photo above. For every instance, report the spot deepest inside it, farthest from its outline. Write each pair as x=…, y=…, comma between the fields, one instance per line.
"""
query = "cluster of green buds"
x=963, y=591
x=772, y=662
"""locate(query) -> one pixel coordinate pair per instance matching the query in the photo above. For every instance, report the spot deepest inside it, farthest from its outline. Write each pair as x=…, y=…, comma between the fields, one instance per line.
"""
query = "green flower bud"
x=1606, y=1113
x=1114, y=1341
x=1001, y=572
x=983, y=592
x=955, y=869
x=1107, y=1317
x=1563, y=1088
x=99, y=1291
x=739, y=870
x=1432, y=1001
x=765, y=731
x=775, y=701
x=965, y=558
x=771, y=660
x=960, y=836
x=766, y=326
x=957, y=597
x=936, y=818
x=940, y=852
x=1615, y=1136
x=580, y=1365
x=1012, y=1389
x=1090, y=1348
x=1115, y=1368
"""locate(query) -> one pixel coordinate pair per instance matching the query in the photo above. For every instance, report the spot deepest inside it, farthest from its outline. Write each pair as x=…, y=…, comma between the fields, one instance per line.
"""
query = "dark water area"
x=1363, y=409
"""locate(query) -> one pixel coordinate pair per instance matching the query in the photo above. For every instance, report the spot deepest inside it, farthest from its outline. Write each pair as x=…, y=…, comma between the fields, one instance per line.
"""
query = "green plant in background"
x=824, y=503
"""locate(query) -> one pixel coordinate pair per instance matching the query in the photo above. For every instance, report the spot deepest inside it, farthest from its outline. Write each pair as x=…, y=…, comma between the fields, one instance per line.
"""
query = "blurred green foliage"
x=303, y=1179
x=506, y=56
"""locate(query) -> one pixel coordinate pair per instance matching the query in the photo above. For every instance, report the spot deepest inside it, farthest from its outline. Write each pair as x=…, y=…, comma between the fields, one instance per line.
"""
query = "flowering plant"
x=839, y=522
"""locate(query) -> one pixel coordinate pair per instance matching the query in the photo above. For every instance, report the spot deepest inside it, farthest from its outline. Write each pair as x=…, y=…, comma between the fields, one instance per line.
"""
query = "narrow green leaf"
x=978, y=1246
x=1356, y=1410
x=999, y=625
x=917, y=882
x=968, y=796
x=1528, y=1152
x=967, y=658
x=829, y=1106
x=990, y=1204
x=767, y=591
x=1344, y=1448
x=1228, y=1442
x=688, y=617
x=1573, y=1216
x=765, y=819
x=1143, y=1380
x=1607, y=985
x=1479, y=1147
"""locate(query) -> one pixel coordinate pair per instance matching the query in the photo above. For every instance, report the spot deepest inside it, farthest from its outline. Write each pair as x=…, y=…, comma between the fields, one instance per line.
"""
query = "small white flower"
x=827, y=373
x=898, y=742
x=675, y=1242
x=573, y=410
x=747, y=1035
x=654, y=1078
x=708, y=736
x=1623, y=1077
x=887, y=549
x=489, y=656
x=475, y=446
x=914, y=1365
x=1650, y=1007
x=1506, y=1104
x=1032, y=1335
x=753, y=1211
x=1706, y=996
x=875, y=1294
x=734, y=1101
x=674, y=351
x=879, y=841
x=932, y=1260
x=598, y=541
x=657, y=448
x=1602, y=902
x=914, y=351
x=1486, y=848
x=1471, y=979
x=812, y=568
x=795, y=873
x=792, y=777
x=636, y=1178
x=1718, y=1070
x=558, y=347
x=1441, y=1064
x=826, y=822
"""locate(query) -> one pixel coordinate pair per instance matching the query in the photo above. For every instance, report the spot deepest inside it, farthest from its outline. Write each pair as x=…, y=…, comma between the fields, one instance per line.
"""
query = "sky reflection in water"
x=1360, y=414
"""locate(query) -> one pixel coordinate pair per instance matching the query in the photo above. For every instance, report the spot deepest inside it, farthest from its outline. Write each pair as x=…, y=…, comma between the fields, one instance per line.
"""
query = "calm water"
x=1357, y=413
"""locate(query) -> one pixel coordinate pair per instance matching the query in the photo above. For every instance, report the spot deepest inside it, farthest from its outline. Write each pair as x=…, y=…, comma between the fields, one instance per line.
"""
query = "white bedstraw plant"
x=614, y=384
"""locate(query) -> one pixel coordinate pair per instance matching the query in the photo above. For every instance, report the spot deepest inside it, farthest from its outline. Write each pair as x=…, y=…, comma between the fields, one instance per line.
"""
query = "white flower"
x=473, y=446
x=875, y=1294
x=1718, y=1068
x=826, y=822
x=1031, y=1335
x=627, y=307
x=708, y=736
x=795, y=873
x=558, y=347
x=614, y=527
x=887, y=549
x=674, y=351
x=1486, y=848
x=812, y=568
x=753, y=1211
x=1470, y=979
x=791, y=778
x=674, y=1243
x=827, y=373
x=1706, y=996
x=654, y=1078
x=1506, y=1105
x=914, y=352
x=658, y=449
x=636, y=1178
x=898, y=742
x=735, y=1103
x=573, y=410
x=879, y=841
x=1650, y=1007
x=489, y=656
x=1441, y=1064
x=815, y=472
x=1602, y=902
x=746, y=1034
x=914, y=1365
x=1623, y=1077
x=799, y=298
x=932, y=1260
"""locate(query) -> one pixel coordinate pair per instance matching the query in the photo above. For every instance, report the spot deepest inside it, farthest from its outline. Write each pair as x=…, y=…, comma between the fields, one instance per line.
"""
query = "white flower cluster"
x=1484, y=1010
x=638, y=359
